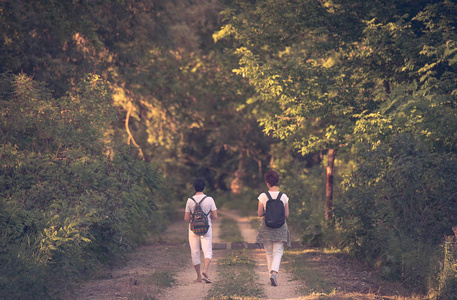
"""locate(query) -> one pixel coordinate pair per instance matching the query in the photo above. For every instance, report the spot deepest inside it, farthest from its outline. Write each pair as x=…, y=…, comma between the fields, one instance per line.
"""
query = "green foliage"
x=303, y=72
x=246, y=203
x=447, y=281
x=397, y=206
x=178, y=88
x=71, y=195
x=376, y=81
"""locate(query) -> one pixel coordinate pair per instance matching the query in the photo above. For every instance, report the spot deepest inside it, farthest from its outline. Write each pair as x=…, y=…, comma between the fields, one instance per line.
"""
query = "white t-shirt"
x=264, y=198
x=207, y=205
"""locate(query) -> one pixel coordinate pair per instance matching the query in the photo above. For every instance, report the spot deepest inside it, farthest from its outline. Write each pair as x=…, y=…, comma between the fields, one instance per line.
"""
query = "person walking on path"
x=209, y=208
x=273, y=239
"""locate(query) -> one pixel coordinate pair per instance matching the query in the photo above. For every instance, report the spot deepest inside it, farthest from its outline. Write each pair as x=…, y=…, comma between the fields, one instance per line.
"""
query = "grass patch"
x=169, y=259
x=230, y=232
x=330, y=274
x=237, y=278
x=255, y=222
x=301, y=268
x=162, y=279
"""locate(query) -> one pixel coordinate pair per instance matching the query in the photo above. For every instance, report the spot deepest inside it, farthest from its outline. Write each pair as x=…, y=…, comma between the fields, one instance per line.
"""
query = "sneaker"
x=274, y=280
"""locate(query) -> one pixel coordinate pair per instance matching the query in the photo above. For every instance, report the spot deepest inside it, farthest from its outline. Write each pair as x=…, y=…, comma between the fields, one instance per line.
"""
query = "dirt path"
x=286, y=289
x=144, y=273
x=186, y=289
x=149, y=271
x=248, y=233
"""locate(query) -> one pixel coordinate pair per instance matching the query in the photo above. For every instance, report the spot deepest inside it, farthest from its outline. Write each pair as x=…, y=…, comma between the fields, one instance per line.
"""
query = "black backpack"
x=275, y=215
x=199, y=223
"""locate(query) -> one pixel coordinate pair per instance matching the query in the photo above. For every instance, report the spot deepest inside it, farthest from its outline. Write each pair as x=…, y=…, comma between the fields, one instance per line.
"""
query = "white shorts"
x=206, y=242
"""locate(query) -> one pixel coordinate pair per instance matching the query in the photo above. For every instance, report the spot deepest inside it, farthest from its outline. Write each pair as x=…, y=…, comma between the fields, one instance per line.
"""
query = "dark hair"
x=272, y=178
x=199, y=184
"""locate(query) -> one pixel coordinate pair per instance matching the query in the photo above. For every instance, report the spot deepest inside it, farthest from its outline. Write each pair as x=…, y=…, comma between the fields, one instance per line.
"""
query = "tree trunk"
x=237, y=182
x=454, y=228
x=329, y=186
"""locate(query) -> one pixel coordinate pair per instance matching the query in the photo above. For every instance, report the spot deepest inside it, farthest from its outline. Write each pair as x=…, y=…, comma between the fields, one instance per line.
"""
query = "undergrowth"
x=237, y=278
x=230, y=232
x=302, y=270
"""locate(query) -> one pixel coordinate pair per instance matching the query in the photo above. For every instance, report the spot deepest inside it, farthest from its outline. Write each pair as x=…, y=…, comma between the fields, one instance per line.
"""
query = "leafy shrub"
x=71, y=195
x=397, y=206
x=447, y=279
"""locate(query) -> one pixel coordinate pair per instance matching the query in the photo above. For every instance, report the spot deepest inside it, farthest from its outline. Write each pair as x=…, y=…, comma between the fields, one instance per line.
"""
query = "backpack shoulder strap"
x=279, y=196
x=202, y=199
x=269, y=196
x=196, y=204
x=199, y=204
x=202, y=209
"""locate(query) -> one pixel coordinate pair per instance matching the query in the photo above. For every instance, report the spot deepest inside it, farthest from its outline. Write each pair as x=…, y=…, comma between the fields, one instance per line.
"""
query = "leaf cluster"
x=339, y=63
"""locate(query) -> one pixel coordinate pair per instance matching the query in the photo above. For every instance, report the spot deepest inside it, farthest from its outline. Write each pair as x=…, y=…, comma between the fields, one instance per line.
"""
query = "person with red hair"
x=273, y=239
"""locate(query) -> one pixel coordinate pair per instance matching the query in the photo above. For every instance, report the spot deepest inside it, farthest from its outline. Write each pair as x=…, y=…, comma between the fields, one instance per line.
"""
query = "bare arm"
x=260, y=210
x=187, y=216
x=286, y=209
x=213, y=214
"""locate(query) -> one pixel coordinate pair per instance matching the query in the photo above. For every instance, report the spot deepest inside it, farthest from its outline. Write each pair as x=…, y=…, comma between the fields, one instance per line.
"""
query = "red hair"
x=272, y=178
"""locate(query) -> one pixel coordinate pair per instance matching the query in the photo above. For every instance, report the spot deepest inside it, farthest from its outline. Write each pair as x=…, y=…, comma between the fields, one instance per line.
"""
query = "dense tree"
x=295, y=55
x=71, y=195
x=180, y=106
x=354, y=76
x=165, y=71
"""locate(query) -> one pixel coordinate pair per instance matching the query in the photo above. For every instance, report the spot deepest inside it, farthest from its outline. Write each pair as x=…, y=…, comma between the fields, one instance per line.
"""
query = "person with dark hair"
x=209, y=208
x=273, y=239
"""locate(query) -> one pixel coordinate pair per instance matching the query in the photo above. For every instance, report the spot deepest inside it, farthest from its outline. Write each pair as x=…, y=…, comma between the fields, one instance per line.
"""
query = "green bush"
x=397, y=207
x=447, y=279
x=71, y=195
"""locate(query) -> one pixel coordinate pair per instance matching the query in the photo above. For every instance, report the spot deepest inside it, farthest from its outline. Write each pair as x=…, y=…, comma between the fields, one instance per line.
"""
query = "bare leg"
x=205, y=270
x=199, y=276
x=206, y=266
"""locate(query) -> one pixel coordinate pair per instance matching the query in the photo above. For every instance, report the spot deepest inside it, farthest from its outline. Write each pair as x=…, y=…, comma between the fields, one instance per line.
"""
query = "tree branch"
x=130, y=138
